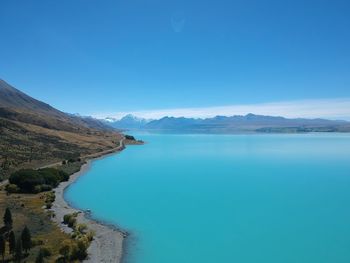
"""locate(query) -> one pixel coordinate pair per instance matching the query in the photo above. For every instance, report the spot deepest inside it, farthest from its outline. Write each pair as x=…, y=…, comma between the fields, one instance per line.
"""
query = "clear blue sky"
x=108, y=56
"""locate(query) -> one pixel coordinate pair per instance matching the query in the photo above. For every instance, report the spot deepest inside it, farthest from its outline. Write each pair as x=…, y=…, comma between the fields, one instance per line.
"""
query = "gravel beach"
x=107, y=245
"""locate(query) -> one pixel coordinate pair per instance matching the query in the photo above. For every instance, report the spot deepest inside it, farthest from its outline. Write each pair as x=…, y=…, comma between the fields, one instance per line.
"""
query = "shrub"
x=81, y=228
x=46, y=252
x=37, y=242
x=45, y=187
x=53, y=176
x=63, y=175
x=66, y=218
x=50, y=197
x=12, y=188
x=73, y=160
x=26, y=180
x=129, y=137
x=37, y=189
x=65, y=249
x=35, y=181
x=70, y=220
x=74, y=251
x=78, y=250
x=90, y=236
x=51, y=214
x=48, y=205
x=74, y=235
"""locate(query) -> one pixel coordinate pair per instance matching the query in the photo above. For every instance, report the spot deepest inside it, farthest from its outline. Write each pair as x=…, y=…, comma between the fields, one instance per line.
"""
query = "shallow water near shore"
x=226, y=198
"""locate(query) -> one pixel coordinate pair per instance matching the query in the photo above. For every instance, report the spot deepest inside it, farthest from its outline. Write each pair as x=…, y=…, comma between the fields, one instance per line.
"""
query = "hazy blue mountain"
x=232, y=124
x=127, y=122
x=173, y=123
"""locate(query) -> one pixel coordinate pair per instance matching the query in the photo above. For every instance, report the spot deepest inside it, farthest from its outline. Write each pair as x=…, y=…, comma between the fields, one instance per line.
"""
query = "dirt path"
x=91, y=156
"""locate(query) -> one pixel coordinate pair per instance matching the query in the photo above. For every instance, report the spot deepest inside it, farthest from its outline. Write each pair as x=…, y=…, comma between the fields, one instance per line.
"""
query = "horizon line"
x=335, y=109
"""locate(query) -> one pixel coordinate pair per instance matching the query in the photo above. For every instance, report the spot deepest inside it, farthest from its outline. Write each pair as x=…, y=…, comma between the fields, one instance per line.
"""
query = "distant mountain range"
x=34, y=133
x=233, y=124
x=127, y=122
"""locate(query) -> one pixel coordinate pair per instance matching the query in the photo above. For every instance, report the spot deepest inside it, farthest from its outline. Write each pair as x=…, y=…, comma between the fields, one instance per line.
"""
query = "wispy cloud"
x=320, y=108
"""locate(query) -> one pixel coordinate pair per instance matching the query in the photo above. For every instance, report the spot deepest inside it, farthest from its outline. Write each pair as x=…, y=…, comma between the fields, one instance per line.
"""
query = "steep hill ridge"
x=18, y=106
x=34, y=133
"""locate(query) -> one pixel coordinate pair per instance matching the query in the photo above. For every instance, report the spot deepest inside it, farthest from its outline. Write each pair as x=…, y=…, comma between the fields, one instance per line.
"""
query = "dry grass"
x=94, y=140
x=27, y=210
x=26, y=145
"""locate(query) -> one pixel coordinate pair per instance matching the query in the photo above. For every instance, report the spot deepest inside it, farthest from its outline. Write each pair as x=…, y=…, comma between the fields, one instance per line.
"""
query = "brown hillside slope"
x=33, y=133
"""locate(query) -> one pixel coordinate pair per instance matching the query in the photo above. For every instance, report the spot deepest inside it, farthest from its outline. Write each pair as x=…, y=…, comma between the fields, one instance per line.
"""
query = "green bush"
x=35, y=181
x=78, y=250
x=65, y=249
x=46, y=252
x=12, y=188
x=66, y=218
x=50, y=197
x=26, y=180
x=70, y=220
x=129, y=137
x=37, y=189
x=53, y=176
x=90, y=236
x=45, y=187
x=81, y=228
x=37, y=242
x=48, y=205
x=42, y=188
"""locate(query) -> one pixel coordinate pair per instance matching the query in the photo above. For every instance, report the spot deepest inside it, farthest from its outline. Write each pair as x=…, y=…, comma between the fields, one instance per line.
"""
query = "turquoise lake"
x=226, y=198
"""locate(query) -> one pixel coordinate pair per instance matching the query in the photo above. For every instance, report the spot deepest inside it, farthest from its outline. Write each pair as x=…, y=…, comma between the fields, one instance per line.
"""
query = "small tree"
x=12, y=243
x=65, y=249
x=26, y=239
x=18, y=251
x=12, y=188
x=2, y=247
x=8, y=218
x=81, y=252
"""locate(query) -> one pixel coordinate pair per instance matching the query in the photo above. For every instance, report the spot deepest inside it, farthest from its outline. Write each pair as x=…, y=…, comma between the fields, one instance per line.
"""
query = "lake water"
x=226, y=198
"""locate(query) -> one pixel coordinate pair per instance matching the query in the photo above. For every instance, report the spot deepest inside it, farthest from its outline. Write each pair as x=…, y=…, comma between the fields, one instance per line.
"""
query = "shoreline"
x=108, y=242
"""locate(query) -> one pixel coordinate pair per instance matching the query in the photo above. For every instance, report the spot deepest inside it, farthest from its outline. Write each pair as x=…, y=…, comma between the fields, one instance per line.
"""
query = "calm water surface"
x=226, y=198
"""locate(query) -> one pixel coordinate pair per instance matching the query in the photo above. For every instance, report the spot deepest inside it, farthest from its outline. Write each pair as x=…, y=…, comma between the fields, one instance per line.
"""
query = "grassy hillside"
x=34, y=134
